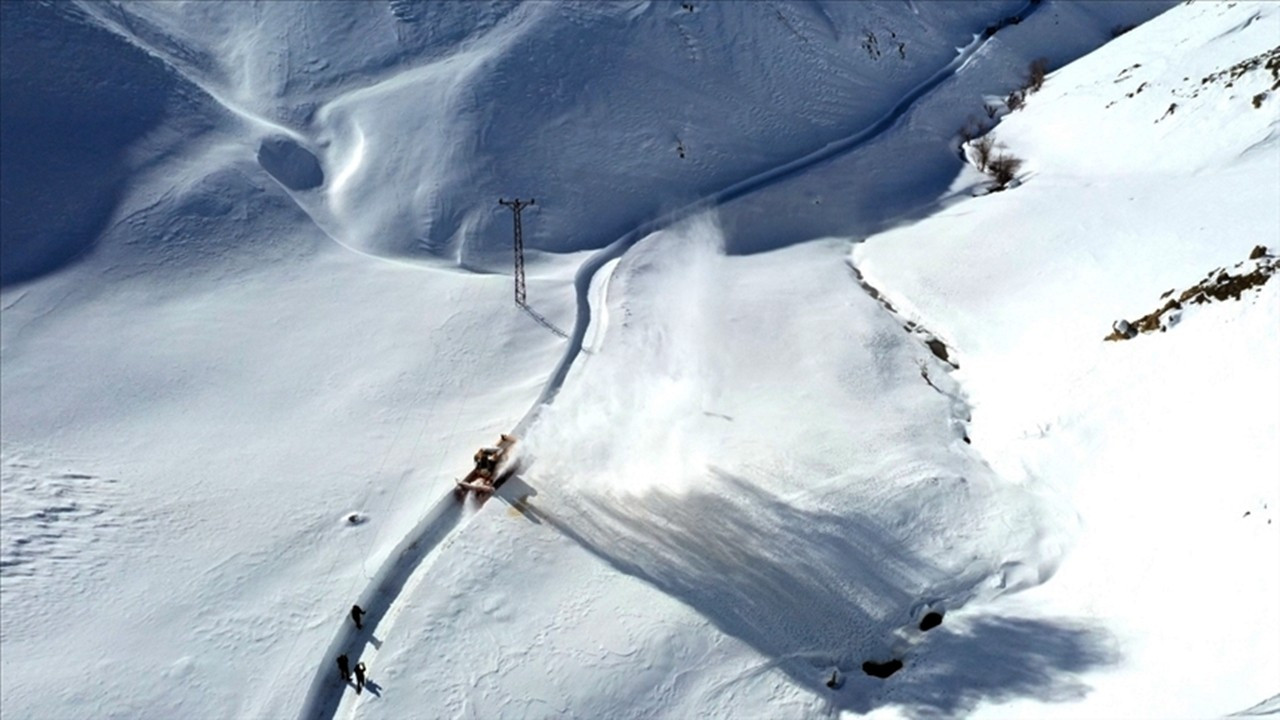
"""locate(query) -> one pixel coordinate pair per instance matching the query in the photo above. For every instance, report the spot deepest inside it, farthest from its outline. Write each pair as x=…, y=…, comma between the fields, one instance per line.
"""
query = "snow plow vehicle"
x=492, y=467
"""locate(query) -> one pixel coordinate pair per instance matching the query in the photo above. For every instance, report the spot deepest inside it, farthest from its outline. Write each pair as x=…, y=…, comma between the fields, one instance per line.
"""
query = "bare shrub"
x=983, y=148
x=1035, y=79
x=991, y=110
x=1014, y=101
x=1004, y=169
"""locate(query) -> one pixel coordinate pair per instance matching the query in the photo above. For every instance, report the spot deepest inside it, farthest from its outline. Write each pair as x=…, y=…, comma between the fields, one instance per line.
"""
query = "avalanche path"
x=414, y=552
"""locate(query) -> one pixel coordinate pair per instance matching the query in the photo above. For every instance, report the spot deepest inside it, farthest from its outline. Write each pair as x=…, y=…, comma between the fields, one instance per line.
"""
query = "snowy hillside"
x=793, y=380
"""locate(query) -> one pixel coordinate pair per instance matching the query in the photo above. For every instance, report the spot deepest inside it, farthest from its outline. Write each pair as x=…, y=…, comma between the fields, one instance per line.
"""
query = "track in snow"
x=379, y=598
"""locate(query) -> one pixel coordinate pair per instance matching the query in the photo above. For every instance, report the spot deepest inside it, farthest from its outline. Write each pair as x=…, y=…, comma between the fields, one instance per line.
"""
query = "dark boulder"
x=881, y=670
x=292, y=165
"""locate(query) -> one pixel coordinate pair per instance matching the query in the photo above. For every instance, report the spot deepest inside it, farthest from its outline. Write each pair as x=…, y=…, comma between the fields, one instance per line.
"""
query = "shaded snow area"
x=815, y=417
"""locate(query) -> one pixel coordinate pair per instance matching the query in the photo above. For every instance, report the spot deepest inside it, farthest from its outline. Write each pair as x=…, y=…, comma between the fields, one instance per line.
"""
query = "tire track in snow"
x=412, y=554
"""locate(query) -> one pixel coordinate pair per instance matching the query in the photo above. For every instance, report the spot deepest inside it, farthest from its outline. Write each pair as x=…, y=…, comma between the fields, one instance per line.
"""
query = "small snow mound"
x=355, y=518
x=292, y=165
x=180, y=668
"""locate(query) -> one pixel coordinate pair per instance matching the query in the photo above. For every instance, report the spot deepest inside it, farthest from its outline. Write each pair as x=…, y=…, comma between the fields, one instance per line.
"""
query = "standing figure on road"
x=344, y=668
x=359, y=677
x=356, y=613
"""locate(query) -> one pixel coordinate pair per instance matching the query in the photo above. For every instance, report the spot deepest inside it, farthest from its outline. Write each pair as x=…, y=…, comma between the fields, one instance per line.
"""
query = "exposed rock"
x=939, y=349
x=930, y=621
x=1218, y=285
x=1121, y=330
x=881, y=669
x=292, y=165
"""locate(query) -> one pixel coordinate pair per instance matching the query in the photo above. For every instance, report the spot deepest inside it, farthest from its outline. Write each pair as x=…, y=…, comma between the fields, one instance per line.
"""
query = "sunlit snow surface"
x=255, y=281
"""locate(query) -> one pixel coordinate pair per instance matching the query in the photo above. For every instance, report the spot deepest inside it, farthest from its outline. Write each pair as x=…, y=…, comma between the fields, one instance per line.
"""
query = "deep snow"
x=268, y=289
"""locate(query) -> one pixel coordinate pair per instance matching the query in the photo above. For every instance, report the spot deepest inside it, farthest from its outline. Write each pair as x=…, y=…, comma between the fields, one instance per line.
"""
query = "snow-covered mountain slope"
x=1149, y=164
x=420, y=114
x=749, y=474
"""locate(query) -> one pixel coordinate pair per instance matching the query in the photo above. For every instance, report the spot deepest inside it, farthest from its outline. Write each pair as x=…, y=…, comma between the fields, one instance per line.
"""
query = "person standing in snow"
x=356, y=613
x=344, y=668
x=359, y=677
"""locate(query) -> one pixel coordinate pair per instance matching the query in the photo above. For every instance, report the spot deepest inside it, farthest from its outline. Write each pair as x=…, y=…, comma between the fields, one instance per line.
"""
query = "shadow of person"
x=374, y=688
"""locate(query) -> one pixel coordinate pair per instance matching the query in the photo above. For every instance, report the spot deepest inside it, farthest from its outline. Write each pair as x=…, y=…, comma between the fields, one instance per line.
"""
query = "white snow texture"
x=794, y=371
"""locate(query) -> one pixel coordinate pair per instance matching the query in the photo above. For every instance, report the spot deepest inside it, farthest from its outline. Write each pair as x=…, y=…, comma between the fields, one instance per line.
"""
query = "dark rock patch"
x=1218, y=285
x=881, y=669
x=292, y=165
x=939, y=349
x=930, y=621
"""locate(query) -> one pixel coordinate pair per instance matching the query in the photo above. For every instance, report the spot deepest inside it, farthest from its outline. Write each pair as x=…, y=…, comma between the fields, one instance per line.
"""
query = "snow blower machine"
x=492, y=467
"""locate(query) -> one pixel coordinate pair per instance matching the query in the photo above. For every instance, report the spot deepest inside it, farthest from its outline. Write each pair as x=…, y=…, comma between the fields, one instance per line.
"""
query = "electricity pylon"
x=516, y=206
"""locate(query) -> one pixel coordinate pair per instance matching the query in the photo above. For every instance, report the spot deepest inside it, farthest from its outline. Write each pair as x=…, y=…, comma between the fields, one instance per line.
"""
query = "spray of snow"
x=628, y=419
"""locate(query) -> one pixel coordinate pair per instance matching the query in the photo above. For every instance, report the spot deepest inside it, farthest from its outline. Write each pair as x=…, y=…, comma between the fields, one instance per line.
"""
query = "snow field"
x=751, y=475
x=807, y=531
x=1165, y=444
x=376, y=424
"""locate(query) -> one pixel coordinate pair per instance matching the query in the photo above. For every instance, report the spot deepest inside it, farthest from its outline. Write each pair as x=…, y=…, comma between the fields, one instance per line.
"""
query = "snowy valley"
x=816, y=414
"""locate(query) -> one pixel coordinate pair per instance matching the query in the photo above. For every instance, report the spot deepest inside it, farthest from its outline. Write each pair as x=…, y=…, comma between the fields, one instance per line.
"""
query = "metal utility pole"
x=516, y=206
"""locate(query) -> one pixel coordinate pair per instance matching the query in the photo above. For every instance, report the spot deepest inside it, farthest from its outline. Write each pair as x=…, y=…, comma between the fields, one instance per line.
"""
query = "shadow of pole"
x=543, y=321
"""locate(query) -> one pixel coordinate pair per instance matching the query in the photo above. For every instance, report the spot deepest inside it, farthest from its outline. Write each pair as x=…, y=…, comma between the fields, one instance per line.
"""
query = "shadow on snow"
x=812, y=591
x=76, y=98
x=991, y=660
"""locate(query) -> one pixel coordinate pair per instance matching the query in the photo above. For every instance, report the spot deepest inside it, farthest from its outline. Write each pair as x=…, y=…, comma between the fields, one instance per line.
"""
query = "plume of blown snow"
x=629, y=420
